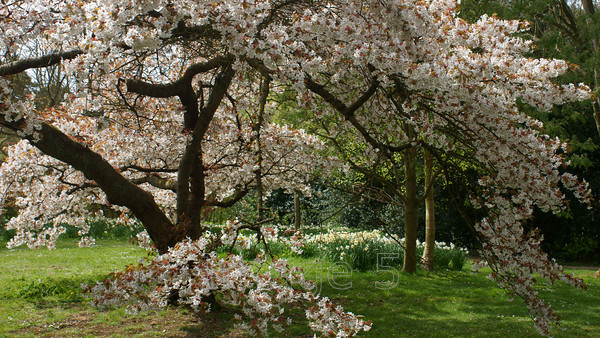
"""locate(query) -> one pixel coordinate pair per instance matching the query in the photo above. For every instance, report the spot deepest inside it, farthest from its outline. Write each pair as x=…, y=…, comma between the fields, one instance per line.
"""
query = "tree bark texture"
x=264, y=93
x=190, y=174
x=429, y=252
x=411, y=204
x=187, y=206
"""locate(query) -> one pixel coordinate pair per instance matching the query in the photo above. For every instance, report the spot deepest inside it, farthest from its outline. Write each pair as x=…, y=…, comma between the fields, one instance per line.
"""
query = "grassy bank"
x=40, y=295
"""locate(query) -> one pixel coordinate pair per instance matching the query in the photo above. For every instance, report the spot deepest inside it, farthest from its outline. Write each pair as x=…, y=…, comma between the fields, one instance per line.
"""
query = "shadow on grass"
x=428, y=304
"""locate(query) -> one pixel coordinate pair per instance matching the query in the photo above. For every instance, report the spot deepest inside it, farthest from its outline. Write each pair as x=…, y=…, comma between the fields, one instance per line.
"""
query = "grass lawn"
x=40, y=295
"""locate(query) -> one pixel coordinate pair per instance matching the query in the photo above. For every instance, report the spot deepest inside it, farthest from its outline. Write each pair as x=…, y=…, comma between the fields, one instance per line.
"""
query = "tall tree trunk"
x=410, y=211
x=429, y=252
x=197, y=198
x=297, y=214
x=264, y=93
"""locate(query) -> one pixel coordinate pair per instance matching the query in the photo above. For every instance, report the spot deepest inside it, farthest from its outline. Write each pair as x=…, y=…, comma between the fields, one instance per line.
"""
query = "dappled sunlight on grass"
x=457, y=304
x=40, y=294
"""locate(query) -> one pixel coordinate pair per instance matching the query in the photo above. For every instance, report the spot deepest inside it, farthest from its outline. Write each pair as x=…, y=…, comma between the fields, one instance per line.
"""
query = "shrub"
x=459, y=258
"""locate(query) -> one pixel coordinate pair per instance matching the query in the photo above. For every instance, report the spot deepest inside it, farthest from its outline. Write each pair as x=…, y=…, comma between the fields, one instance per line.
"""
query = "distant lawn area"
x=40, y=294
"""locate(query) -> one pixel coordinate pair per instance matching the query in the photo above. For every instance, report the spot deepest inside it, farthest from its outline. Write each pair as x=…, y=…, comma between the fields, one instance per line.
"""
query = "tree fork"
x=186, y=165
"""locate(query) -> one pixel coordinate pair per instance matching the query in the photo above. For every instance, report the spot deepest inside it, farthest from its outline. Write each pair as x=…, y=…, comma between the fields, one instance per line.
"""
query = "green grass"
x=459, y=304
x=40, y=295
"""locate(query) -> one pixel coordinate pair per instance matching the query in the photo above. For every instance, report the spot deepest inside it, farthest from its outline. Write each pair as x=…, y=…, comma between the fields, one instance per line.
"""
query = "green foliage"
x=458, y=259
x=362, y=214
x=321, y=207
x=101, y=229
x=245, y=208
x=8, y=213
x=310, y=250
x=580, y=246
x=6, y=235
x=363, y=251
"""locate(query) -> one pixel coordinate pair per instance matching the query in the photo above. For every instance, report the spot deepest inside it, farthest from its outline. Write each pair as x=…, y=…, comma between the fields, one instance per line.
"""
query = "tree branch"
x=219, y=89
x=39, y=62
x=148, y=170
x=348, y=112
x=118, y=189
x=174, y=88
x=157, y=182
x=231, y=200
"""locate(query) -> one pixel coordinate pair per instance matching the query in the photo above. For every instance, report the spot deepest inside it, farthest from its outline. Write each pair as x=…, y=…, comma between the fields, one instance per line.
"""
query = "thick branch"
x=117, y=188
x=148, y=170
x=39, y=62
x=157, y=182
x=326, y=95
x=226, y=203
x=348, y=112
x=174, y=88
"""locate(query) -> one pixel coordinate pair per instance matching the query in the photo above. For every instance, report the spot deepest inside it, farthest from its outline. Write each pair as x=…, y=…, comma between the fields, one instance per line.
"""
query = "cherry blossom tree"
x=189, y=147
x=159, y=87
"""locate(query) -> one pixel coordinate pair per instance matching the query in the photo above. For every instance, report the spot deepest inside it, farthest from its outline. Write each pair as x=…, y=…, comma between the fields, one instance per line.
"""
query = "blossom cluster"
x=194, y=276
x=21, y=111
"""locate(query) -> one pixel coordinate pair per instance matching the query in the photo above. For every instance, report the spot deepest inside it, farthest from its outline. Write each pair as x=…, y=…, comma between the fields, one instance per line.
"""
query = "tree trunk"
x=118, y=189
x=197, y=198
x=588, y=6
x=264, y=93
x=297, y=214
x=429, y=252
x=410, y=211
x=259, y=197
x=193, y=151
